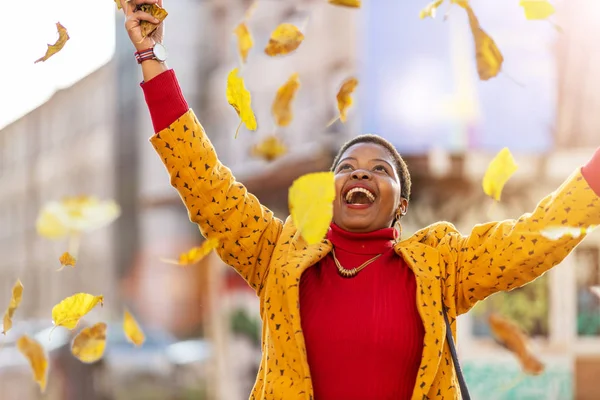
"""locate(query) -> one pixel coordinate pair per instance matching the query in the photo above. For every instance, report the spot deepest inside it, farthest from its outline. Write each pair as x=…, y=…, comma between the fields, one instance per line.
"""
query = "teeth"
x=358, y=189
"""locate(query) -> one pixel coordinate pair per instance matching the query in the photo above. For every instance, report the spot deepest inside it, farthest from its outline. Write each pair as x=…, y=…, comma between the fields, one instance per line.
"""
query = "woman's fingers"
x=144, y=16
x=129, y=6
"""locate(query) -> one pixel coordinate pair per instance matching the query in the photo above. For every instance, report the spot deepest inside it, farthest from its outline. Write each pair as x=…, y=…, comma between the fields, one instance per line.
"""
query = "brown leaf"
x=282, y=105
x=489, y=58
x=157, y=12
x=269, y=149
x=15, y=300
x=284, y=39
x=346, y=3
x=245, y=41
x=515, y=340
x=67, y=260
x=63, y=36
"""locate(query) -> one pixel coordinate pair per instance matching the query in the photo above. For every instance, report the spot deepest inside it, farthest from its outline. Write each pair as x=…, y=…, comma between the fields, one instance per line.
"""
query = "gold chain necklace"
x=349, y=273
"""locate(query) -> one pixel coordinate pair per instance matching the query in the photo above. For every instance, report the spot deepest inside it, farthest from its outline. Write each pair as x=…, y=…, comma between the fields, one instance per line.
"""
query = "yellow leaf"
x=431, y=9
x=500, y=169
x=132, y=330
x=35, y=354
x=557, y=232
x=69, y=311
x=282, y=105
x=239, y=98
x=537, y=9
x=346, y=3
x=511, y=336
x=245, y=41
x=157, y=12
x=195, y=254
x=63, y=36
x=15, y=300
x=89, y=344
x=58, y=219
x=488, y=56
x=118, y=3
x=66, y=260
x=269, y=149
x=311, y=205
x=284, y=39
x=344, y=97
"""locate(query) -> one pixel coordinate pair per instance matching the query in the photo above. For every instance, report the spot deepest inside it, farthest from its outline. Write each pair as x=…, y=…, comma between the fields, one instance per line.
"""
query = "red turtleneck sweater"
x=364, y=336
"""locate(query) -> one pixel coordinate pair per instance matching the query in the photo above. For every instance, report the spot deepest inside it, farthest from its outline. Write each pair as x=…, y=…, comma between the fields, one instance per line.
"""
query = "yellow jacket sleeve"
x=501, y=256
x=221, y=206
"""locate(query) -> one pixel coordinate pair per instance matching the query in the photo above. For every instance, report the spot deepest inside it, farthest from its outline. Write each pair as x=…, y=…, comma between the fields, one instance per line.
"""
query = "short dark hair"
x=401, y=167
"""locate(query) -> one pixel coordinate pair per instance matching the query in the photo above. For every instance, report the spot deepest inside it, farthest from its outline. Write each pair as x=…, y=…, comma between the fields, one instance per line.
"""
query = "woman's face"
x=367, y=189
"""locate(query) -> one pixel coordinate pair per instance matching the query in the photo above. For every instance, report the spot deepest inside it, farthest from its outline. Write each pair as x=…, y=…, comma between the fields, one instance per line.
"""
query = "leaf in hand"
x=558, y=232
x=69, y=311
x=15, y=300
x=132, y=330
x=239, y=98
x=346, y=3
x=67, y=260
x=245, y=41
x=269, y=149
x=344, y=97
x=431, y=9
x=35, y=354
x=58, y=219
x=500, y=169
x=195, y=254
x=282, y=105
x=488, y=56
x=513, y=338
x=311, y=205
x=157, y=12
x=63, y=36
x=537, y=9
x=89, y=344
x=284, y=39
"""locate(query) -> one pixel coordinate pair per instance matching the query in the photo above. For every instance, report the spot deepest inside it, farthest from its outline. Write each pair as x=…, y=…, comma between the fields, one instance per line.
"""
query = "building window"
x=588, y=304
x=527, y=306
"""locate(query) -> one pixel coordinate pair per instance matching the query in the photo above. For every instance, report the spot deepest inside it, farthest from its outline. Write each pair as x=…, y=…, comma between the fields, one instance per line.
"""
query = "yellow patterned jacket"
x=450, y=268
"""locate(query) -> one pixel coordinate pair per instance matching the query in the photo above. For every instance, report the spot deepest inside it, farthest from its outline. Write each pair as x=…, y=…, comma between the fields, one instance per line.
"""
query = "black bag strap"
x=461, y=379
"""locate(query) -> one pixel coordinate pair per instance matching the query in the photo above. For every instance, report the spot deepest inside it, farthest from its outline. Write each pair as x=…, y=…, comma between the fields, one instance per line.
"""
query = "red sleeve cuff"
x=591, y=172
x=164, y=99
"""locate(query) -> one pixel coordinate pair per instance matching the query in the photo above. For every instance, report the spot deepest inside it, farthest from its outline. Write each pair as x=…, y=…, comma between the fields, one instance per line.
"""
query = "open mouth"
x=359, y=195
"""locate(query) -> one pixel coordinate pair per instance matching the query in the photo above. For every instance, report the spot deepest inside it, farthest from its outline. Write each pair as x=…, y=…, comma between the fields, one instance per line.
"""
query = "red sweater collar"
x=375, y=242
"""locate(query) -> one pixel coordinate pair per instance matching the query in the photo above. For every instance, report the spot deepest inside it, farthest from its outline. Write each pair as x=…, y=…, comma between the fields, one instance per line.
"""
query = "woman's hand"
x=134, y=17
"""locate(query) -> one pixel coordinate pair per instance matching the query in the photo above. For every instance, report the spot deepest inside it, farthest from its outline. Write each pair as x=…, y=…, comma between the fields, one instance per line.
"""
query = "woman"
x=359, y=315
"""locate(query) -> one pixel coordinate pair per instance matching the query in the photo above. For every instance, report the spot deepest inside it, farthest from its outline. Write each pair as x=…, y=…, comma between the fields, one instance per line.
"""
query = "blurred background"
x=78, y=124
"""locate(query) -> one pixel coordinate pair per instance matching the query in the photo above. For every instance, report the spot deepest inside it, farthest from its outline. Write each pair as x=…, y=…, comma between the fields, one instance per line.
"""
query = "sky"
x=29, y=28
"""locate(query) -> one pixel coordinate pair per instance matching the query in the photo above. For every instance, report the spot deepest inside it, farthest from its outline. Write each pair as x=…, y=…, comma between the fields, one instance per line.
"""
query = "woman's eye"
x=380, y=168
x=343, y=167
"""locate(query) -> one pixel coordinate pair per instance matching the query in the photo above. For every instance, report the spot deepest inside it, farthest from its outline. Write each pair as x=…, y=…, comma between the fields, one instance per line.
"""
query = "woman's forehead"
x=367, y=151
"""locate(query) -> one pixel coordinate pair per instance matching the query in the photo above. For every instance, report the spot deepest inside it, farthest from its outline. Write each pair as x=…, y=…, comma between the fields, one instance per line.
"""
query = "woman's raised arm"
x=221, y=206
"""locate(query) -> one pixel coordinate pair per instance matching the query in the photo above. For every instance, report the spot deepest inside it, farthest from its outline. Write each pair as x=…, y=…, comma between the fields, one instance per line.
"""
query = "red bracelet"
x=144, y=55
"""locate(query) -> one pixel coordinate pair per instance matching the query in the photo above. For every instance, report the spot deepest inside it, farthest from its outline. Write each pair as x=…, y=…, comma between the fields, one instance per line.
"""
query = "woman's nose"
x=360, y=174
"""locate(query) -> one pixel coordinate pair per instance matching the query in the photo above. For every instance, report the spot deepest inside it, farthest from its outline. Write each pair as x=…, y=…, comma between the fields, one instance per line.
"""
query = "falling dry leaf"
x=346, y=3
x=245, y=41
x=118, y=3
x=537, y=9
x=595, y=290
x=282, y=105
x=511, y=336
x=69, y=311
x=488, y=56
x=311, y=205
x=15, y=300
x=269, y=149
x=75, y=215
x=284, y=39
x=132, y=330
x=557, y=232
x=63, y=36
x=500, y=169
x=431, y=9
x=34, y=352
x=157, y=12
x=344, y=97
x=239, y=98
x=66, y=260
x=89, y=344
x=195, y=254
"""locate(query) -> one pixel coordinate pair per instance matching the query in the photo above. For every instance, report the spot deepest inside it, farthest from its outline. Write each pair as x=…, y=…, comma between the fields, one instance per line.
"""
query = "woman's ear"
x=403, y=206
